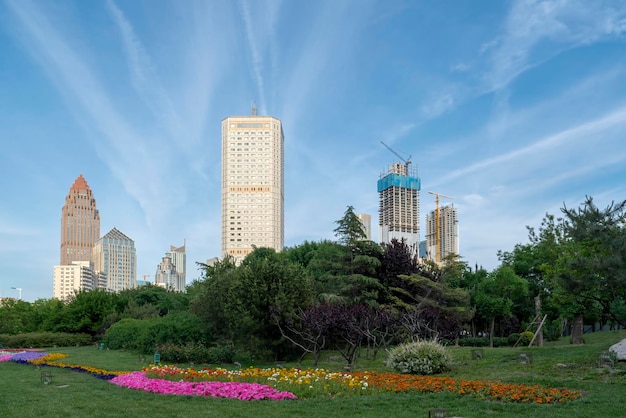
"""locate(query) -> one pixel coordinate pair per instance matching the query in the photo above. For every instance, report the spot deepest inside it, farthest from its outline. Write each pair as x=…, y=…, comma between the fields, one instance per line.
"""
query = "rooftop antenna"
x=253, y=109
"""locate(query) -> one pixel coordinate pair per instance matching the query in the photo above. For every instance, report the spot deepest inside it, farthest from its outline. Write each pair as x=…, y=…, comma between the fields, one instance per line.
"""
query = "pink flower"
x=231, y=390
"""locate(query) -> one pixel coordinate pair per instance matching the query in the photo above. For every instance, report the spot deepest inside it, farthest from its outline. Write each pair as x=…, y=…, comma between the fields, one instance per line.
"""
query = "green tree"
x=242, y=303
x=87, y=312
x=431, y=308
x=577, y=264
x=349, y=228
x=161, y=299
x=496, y=295
x=593, y=263
x=302, y=254
x=353, y=278
x=212, y=292
x=264, y=284
x=46, y=313
x=16, y=317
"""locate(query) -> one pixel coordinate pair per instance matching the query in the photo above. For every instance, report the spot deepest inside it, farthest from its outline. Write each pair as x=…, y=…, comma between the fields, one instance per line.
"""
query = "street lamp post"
x=19, y=291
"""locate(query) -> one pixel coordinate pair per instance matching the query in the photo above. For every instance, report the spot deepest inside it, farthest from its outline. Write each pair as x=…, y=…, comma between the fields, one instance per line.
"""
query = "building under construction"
x=398, y=191
x=445, y=230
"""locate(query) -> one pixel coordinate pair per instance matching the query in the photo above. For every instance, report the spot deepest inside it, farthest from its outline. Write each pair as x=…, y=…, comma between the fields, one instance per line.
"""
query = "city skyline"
x=514, y=108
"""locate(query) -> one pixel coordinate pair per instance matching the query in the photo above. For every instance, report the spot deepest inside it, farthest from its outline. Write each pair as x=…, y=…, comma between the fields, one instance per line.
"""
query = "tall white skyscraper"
x=398, y=192
x=253, y=191
x=447, y=235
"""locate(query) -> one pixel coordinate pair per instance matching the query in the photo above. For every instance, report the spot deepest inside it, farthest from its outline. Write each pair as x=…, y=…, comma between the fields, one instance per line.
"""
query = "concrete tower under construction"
x=398, y=191
x=442, y=234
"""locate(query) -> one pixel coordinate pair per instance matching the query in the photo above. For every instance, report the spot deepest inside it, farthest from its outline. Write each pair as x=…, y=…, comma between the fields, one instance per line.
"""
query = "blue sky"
x=513, y=108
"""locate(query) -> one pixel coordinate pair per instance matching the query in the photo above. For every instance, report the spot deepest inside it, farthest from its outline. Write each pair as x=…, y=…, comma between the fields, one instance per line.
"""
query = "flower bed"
x=139, y=380
x=278, y=384
x=319, y=382
x=483, y=389
x=27, y=356
x=232, y=390
x=40, y=358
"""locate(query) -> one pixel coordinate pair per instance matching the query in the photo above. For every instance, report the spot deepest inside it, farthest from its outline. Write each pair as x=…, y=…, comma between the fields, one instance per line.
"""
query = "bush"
x=44, y=339
x=196, y=353
x=513, y=338
x=143, y=335
x=420, y=357
x=129, y=333
x=527, y=337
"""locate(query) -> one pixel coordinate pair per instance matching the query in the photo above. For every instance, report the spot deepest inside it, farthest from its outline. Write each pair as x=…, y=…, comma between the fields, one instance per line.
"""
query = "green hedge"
x=44, y=339
x=143, y=335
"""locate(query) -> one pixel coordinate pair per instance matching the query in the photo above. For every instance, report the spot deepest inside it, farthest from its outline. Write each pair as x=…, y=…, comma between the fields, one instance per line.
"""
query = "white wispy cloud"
x=569, y=137
x=460, y=67
x=205, y=58
x=255, y=54
x=533, y=33
x=329, y=36
x=143, y=75
x=124, y=150
x=441, y=104
x=557, y=24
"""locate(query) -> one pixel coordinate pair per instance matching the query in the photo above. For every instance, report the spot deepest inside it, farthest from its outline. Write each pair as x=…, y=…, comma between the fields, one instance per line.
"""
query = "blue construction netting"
x=397, y=180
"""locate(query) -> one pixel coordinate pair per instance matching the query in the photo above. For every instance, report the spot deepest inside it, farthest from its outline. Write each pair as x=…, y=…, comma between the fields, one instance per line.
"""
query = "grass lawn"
x=558, y=365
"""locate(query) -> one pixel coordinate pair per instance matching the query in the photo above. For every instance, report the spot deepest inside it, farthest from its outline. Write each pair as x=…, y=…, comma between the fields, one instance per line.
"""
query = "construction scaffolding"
x=398, y=191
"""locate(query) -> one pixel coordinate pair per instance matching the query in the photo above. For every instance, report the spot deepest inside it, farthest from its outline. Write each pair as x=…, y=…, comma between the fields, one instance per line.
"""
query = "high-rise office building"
x=252, y=184
x=166, y=275
x=179, y=258
x=366, y=221
x=398, y=192
x=73, y=278
x=80, y=223
x=443, y=231
x=171, y=271
x=114, y=255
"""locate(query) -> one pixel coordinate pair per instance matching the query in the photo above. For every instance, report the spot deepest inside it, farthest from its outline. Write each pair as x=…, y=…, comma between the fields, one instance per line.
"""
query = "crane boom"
x=437, y=233
x=406, y=162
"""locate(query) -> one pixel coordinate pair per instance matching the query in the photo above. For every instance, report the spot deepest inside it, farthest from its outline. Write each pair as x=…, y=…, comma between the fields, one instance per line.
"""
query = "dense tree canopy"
x=353, y=292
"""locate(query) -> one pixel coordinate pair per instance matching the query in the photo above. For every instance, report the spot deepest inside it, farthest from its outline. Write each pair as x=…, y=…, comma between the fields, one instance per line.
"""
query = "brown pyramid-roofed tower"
x=80, y=223
x=80, y=184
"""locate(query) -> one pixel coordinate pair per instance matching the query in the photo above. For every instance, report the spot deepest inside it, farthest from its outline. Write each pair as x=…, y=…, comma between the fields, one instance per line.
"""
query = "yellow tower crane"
x=437, y=232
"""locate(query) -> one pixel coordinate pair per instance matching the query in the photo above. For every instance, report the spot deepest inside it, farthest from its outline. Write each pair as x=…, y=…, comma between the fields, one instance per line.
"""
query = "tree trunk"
x=539, y=339
x=577, y=329
x=493, y=326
